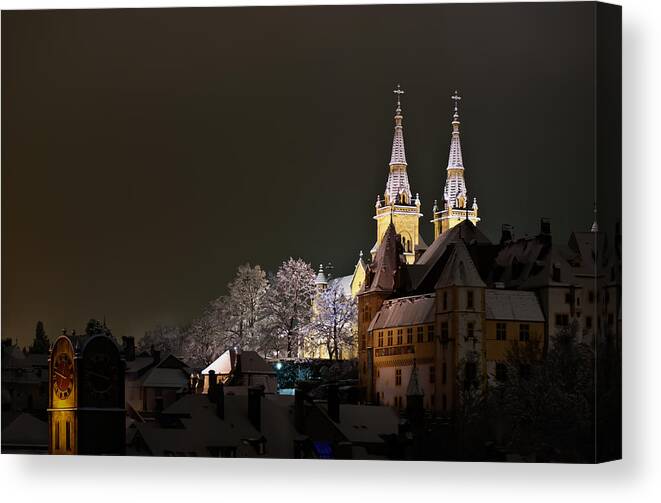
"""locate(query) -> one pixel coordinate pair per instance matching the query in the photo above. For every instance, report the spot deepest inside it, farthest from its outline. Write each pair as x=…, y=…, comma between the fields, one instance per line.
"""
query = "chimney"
x=506, y=233
x=211, y=391
x=299, y=409
x=255, y=406
x=333, y=403
x=129, y=348
x=156, y=355
x=220, y=400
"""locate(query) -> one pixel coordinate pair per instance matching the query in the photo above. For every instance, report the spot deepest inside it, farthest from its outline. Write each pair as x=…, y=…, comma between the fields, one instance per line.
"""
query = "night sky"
x=147, y=153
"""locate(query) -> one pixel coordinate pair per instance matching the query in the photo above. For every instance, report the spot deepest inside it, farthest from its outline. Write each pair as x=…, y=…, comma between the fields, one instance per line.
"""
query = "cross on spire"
x=456, y=99
x=399, y=93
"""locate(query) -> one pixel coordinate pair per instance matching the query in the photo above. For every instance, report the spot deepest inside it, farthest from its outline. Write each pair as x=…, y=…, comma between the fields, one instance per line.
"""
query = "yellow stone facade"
x=406, y=220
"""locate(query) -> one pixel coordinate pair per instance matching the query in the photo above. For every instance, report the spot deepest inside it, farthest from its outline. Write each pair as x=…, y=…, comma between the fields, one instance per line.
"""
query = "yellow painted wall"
x=497, y=350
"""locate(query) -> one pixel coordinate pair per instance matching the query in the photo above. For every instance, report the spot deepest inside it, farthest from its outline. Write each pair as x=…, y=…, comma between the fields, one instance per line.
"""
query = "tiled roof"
x=404, y=311
x=512, y=305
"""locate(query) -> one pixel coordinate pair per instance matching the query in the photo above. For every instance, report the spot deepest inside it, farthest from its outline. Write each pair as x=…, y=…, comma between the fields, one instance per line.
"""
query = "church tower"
x=455, y=205
x=398, y=204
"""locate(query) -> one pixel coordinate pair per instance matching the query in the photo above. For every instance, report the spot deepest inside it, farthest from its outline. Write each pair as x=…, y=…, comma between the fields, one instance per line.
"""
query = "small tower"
x=455, y=205
x=398, y=204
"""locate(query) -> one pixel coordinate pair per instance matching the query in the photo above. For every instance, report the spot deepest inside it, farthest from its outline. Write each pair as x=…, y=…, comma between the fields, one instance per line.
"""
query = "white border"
x=637, y=478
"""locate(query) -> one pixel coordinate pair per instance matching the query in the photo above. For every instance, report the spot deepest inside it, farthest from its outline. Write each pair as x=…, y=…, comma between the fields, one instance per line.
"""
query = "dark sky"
x=147, y=153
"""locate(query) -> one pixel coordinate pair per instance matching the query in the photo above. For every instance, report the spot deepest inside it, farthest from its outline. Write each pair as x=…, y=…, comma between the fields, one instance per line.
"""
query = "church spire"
x=455, y=159
x=398, y=155
x=455, y=207
x=398, y=190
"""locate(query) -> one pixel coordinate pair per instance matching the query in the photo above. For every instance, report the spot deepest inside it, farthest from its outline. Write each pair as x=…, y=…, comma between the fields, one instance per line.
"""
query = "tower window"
x=432, y=374
x=470, y=301
x=445, y=301
x=501, y=331
x=588, y=322
x=470, y=329
x=591, y=297
x=524, y=332
x=445, y=331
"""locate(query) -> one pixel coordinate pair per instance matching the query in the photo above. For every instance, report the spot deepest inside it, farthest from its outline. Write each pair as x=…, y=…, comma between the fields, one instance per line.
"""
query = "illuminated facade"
x=398, y=205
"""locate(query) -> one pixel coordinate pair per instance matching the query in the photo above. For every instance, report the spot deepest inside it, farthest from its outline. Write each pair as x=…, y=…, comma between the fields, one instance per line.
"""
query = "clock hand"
x=96, y=374
x=61, y=375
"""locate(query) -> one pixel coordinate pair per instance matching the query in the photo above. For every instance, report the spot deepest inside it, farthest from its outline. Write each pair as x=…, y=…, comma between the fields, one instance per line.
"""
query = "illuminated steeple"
x=398, y=189
x=398, y=205
x=455, y=194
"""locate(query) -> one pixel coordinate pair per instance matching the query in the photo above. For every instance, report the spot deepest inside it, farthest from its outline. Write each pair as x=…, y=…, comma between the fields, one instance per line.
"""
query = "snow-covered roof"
x=343, y=283
x=365, y=424
x=166, y=378
x=224, y=364
x=514, y=305
x=403, y=311
x=26, y=431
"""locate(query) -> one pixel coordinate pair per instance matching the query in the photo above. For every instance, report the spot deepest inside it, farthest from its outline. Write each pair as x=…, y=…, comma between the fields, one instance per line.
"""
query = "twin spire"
x=398, y=189
x=398, y=155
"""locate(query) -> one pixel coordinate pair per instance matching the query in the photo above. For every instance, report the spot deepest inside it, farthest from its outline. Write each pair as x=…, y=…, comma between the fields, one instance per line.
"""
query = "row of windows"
x=398, y=401
x=399, y=336
x=524, y=332
x=562, y=320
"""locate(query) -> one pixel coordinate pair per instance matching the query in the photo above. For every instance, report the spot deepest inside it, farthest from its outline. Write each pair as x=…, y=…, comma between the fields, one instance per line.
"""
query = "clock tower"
x=86, y=413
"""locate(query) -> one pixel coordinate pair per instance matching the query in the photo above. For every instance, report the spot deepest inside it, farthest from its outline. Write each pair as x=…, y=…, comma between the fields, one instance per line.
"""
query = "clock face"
x=62, y=376
x=100, y=374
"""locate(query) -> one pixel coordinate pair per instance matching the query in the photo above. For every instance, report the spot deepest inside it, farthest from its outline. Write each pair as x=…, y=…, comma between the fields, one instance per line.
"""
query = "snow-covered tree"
x=246, y=307
x=289, y=307
x=334, y=320
x=166, y=339
x=41, y=343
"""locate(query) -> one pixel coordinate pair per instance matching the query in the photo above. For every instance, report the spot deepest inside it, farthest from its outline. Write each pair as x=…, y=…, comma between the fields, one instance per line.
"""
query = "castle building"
x=444, y=322
x=398, y=205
